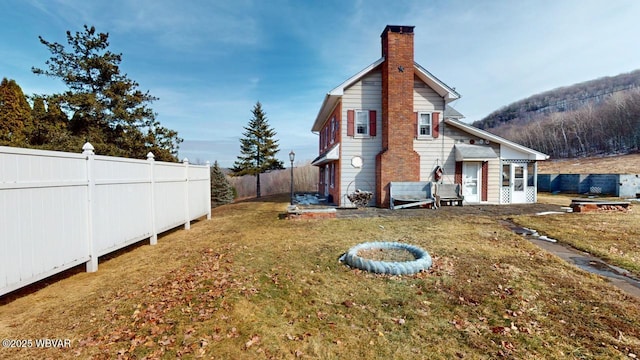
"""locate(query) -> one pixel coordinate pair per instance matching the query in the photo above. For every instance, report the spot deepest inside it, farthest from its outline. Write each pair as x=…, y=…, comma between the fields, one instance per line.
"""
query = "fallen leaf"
x=254, y=340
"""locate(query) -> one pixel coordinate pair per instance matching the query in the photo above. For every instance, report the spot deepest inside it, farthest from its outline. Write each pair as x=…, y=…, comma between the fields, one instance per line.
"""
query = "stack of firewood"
x=360, y=198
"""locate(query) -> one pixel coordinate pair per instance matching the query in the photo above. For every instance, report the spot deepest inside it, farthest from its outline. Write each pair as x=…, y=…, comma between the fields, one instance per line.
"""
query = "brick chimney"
x=397, y=161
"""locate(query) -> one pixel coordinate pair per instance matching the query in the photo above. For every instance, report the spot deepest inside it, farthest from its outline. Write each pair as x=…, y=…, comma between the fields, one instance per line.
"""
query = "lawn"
x=248, y=285
x=611, y=236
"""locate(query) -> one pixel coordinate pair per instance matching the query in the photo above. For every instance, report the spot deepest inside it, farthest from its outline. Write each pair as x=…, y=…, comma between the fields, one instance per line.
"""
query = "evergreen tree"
x=221, y=189
x=258, y=148
x=39, y=133
x=49, y=129
x=15, y=115
x=106, y=107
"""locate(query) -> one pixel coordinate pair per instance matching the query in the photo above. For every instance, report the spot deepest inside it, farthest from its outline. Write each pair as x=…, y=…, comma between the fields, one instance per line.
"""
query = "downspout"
x=442, y=138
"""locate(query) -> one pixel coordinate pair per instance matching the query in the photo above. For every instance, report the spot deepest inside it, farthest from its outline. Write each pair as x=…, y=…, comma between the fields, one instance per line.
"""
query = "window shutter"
x=372, y=122
x=416, y=125
x=435, y=124
x=350, y=125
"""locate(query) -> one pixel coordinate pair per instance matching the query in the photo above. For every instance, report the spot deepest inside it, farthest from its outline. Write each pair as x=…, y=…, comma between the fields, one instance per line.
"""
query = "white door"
x=471, y=181
x=518, y=187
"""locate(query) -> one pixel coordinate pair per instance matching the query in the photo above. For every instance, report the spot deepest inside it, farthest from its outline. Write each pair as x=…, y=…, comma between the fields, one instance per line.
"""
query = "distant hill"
x=562, y=99
x=597, y=117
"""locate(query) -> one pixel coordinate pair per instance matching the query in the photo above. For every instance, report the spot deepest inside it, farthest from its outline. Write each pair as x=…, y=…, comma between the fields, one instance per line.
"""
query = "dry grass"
x=247, y=285
x=612, y=236
x=619, y=164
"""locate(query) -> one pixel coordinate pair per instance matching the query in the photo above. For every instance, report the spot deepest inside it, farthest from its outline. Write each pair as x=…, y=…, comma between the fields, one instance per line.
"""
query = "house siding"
x=441, y=152
x=396, y=89
x=430, y=150
x=327, y=141
x=362, y=95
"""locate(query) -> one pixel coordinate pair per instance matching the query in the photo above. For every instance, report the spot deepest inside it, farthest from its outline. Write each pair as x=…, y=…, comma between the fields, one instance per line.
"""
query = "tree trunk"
x=258, y=185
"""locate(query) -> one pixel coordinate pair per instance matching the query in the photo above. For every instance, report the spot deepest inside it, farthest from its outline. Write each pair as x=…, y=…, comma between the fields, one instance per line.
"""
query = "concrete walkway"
x=620, y=278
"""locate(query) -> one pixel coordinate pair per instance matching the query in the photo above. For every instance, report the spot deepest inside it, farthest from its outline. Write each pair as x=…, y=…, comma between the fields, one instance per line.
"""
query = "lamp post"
x=292, y=156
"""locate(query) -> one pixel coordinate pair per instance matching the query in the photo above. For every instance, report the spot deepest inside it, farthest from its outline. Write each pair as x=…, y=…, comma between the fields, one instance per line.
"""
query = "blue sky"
x=209, y=61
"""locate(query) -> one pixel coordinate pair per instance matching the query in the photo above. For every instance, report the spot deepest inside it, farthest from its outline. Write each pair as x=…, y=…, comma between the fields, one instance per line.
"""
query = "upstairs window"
x=424, y=125
x=362, y=123
x=332, y=129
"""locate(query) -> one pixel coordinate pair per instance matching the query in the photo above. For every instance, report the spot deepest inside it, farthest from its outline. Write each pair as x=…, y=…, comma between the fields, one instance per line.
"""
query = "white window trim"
x=366, y=124
x=430, y=135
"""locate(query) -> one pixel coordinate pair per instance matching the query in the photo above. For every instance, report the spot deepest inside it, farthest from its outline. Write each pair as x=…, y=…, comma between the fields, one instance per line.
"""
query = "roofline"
x=333, y=96
x=339, y=90
x=495, y=138
x=452, y=93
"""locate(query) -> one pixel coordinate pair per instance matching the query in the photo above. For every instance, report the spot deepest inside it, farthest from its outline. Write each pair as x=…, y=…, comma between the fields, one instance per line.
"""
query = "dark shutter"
x=435, y=124
x=350, y=125
x=416, y=124
x=372, y=122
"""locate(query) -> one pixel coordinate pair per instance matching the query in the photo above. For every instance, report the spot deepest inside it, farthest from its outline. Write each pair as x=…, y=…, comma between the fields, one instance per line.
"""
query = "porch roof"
x=525, y=151
x=466, y=152
x=329, y=156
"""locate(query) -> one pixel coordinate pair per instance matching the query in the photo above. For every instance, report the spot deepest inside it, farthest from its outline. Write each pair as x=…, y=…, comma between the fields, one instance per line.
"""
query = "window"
x=518, y=178
x=506, y=175
x=362, y=122
x=332, y=129
x=424, y=125
x=531, y=174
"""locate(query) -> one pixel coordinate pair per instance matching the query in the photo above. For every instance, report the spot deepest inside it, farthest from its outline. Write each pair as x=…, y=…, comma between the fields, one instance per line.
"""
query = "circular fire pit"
x=387, y=258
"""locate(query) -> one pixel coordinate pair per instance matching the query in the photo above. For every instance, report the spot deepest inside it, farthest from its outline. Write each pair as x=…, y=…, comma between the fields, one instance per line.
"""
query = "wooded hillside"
x=595, y=117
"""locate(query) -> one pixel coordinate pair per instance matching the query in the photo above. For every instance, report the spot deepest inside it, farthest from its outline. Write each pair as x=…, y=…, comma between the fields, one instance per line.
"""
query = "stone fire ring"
x=422, y=261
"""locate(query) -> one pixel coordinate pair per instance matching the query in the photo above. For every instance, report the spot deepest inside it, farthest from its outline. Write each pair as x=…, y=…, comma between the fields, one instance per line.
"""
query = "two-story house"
x=392, y=122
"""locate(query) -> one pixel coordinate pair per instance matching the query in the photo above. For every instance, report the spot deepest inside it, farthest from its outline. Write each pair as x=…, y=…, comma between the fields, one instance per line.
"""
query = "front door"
x=471, y=181
x=518, y=190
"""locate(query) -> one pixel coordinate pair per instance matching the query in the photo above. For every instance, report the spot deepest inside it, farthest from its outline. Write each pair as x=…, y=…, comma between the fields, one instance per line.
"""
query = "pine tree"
x=15, y=114
x=106, y=107
x=221, y=189
x=39, y=133
x=258, y=148
x=49, y=129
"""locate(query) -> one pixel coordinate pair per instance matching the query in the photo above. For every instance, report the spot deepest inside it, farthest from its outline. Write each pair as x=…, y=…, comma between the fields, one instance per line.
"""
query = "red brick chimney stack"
x=397, y=161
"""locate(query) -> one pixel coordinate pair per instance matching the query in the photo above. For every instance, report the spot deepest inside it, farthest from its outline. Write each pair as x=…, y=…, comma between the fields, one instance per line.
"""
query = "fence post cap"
x=87, y=149
x=185, y=160
x=150, y=156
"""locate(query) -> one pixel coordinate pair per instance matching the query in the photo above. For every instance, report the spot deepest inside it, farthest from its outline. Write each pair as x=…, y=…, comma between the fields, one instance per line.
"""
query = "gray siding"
x=441, y=152
x=365, y=94
x=431, y=151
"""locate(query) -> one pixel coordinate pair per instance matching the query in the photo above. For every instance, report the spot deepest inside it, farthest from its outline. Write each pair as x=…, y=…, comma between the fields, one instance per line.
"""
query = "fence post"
x=92, y=264
x=209, y=190
x=153, y=240
x=187, y=220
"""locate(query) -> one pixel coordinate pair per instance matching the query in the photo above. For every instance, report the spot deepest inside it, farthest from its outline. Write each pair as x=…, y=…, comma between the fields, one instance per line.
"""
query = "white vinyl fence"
x=58, y=210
